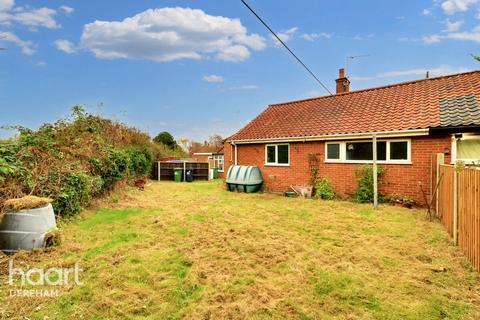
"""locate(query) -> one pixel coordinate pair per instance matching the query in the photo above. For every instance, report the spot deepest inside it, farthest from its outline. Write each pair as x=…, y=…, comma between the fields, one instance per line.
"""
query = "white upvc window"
x=396, y=151
x=218, y=162
x=277, y=154
x=466, y=148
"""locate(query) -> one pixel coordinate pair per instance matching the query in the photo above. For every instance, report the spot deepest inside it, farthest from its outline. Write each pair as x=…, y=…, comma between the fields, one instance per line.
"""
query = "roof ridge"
x=375, y=88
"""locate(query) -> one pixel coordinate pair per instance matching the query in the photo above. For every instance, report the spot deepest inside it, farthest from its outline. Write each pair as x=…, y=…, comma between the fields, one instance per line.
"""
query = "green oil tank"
x=244, y=179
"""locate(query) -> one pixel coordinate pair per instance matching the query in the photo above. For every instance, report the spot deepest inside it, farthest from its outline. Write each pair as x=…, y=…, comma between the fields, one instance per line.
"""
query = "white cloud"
x=254, y=41
x=212, y=78
x=169, y=34
x=11, y=15
x=41, y=64
x=6, y=5
x=42, y=17
x=426, y=12
x=433, y=72
x=314, y=36
x=472, y=35
x=285, y=36
x=452, y=26
x=363, y=37
x=67, y=10
x=25, y=46
x=409, y=39
x=453, y=6
x=235, y=53
x=65, y=46
x=360, y=78
x=434, y=38
x=25, y=15
x=242, y=87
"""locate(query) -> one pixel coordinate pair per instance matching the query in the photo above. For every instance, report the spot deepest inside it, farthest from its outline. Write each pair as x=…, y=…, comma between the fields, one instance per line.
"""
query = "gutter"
x=365, y=135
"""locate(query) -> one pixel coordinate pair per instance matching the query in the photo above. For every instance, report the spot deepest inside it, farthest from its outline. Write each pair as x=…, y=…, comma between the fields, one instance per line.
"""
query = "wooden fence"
x=163, y=170
x=469, y=214
x=459, y=208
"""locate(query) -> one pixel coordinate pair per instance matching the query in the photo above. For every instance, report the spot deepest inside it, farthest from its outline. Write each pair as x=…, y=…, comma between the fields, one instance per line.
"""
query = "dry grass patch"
x=196, y=251
x=25, y=203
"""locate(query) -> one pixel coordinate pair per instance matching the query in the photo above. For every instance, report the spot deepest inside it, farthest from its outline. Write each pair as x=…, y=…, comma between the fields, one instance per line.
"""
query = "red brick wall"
x=402, y=179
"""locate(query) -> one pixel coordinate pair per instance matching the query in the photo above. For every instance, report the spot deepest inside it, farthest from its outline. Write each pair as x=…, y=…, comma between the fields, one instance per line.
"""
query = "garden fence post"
x=184, y=171
x=440, y=159
x=375, y=182
x=159, y=171
x=455, y=206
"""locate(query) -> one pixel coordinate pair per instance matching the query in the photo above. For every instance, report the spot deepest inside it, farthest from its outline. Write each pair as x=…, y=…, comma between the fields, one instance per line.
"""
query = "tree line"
x=213, y=144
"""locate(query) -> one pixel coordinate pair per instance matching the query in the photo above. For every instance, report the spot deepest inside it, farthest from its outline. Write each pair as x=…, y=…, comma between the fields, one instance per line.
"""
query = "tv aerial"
x=352, y=57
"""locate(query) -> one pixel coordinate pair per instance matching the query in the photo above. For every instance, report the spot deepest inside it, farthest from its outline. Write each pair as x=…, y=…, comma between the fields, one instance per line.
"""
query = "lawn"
x=196, y=251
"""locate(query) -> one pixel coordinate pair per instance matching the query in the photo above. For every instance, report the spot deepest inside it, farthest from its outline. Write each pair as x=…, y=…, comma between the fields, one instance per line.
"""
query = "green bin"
x=215, y=173
x=177, y=174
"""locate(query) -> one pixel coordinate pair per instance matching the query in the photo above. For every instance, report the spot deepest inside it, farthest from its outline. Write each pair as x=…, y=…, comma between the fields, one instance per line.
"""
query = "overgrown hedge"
x=74, y=160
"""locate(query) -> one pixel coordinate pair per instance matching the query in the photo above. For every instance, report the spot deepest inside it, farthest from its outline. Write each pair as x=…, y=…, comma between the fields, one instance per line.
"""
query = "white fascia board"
x=353, y=136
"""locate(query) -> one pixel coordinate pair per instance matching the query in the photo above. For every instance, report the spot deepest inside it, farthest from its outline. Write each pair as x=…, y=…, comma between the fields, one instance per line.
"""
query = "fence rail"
x=459, y=208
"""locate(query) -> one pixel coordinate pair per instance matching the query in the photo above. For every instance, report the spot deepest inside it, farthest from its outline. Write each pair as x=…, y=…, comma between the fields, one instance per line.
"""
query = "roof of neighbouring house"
x=427, y=103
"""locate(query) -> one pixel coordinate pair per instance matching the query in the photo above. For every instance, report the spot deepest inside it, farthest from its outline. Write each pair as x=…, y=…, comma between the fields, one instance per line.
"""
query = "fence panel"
x=445, y=197
x=469, y=214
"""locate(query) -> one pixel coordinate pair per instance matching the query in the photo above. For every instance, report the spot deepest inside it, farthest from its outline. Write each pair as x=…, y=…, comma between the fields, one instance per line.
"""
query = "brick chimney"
x=343, y=84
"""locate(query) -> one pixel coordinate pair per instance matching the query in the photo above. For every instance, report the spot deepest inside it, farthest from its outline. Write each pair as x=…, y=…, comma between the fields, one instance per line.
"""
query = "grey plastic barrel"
x=244, y=179
x=26, y=229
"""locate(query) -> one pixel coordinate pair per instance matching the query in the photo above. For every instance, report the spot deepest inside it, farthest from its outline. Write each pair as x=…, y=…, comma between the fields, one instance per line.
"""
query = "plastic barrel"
x=26, y=229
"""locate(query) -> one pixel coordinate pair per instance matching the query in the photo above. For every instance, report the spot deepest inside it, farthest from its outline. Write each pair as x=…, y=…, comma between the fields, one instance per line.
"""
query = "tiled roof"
x=436, y=102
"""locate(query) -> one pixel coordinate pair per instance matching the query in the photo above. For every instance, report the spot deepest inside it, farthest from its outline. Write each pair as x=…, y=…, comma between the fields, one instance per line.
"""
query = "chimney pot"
x=343, y=84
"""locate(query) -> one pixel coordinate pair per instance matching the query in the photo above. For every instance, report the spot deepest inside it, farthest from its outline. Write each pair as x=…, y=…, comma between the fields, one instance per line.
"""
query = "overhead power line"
x=286, y=47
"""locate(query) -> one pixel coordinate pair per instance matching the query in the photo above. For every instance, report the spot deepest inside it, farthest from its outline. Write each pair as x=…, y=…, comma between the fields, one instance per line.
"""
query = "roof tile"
x=426, y=103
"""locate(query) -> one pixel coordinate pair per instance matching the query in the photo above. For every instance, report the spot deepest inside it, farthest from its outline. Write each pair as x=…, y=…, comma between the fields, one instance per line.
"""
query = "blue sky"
x=200, y=67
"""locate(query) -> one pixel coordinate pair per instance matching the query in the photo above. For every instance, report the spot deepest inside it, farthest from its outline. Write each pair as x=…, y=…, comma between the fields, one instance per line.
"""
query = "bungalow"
x=411, y=120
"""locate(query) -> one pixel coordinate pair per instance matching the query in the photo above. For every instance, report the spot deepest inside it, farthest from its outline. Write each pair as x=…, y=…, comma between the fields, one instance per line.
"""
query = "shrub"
x=364, y=191
x=112, y=168
x=74, y=194
x=7, y=168
x=324, y=190
x=74, y=159
x=141, y=161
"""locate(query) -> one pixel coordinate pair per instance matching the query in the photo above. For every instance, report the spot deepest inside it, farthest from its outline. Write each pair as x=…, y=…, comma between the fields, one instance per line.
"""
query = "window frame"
x=216, y=159
x=343, y=152
x=276, y=164
x=454, y=158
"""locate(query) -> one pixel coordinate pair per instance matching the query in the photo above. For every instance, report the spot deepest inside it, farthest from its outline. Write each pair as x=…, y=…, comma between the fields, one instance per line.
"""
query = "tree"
x=475, y=57
x=216, y=142
x=166, y=138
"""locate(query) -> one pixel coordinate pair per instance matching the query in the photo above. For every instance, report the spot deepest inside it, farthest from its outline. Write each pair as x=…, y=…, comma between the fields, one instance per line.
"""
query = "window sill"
x=367, y=162
x=277, y=165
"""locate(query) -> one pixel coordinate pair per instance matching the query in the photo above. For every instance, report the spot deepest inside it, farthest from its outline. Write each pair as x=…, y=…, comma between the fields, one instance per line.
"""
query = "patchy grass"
x=196, y=251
